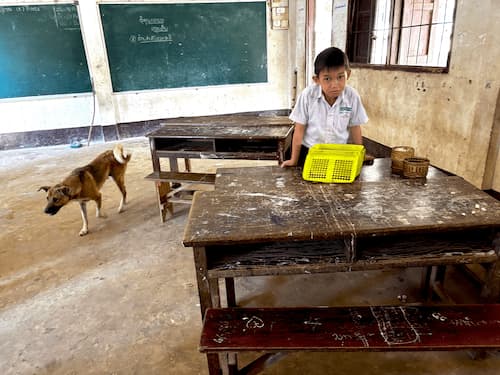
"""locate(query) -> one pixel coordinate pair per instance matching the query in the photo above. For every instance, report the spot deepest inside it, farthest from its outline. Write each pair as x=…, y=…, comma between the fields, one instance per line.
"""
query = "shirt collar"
x=318, y=93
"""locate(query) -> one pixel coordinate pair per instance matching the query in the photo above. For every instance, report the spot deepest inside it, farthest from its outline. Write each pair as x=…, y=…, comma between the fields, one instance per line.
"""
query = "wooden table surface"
x=250, y=178
x=220, y=127
x=274, y=204
x=248, y=120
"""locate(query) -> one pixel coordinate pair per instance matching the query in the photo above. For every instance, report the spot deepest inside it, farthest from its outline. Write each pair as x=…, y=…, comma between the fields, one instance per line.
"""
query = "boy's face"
x=332, y=82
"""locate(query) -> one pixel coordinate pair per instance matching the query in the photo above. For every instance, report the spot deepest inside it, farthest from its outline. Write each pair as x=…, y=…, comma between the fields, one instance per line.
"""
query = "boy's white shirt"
x=325, y=123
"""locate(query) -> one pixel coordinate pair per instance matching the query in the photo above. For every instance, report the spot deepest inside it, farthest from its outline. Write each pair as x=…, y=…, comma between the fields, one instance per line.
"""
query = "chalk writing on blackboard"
x=66, y=19
x=159, y=29
x=151, y=21
x=26, y=9
x=19, y=9
x=138, y=38
x=155, y=25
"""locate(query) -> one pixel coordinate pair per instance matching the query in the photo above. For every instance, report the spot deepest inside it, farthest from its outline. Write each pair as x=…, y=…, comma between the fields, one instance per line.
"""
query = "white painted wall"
x=339, y=23
x=322, y=26
x=67, y=111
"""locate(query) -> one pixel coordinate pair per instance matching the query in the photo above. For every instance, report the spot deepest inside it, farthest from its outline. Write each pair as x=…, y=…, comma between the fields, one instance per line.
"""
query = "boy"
x=327, y=111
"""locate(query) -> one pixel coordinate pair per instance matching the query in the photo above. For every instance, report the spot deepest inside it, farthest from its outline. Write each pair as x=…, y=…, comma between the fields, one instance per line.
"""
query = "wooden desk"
x=213, y=137
x=268, y=221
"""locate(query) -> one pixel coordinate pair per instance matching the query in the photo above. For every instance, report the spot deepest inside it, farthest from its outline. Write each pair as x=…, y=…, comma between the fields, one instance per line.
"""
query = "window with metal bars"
x=406, y=34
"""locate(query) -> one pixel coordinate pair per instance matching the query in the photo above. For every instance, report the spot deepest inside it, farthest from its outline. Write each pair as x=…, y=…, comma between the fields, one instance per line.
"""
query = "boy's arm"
x=298, y=135
x=355, y=135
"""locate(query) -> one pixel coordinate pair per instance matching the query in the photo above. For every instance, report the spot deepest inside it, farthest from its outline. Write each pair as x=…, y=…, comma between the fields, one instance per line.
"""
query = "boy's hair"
x=332, y=57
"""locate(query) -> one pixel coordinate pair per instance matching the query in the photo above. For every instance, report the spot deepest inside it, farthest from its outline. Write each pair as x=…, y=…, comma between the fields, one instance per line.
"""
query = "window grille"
x=401, y=33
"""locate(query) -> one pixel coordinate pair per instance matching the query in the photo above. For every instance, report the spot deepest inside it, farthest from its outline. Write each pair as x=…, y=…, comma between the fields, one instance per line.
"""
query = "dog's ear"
x=65, y=190
x=46, y=188
x=69, y=191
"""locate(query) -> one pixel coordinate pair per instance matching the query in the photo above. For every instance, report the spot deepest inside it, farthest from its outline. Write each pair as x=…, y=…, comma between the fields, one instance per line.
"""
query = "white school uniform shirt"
x=325, y=123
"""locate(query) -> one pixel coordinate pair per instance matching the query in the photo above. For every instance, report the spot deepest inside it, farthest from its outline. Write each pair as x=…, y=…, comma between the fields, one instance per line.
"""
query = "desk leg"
x=230, y=292
x=205, y=289
x=162, y=188
x=491, y=288
x=425, y=285
x=281, y=152
x=432, y=284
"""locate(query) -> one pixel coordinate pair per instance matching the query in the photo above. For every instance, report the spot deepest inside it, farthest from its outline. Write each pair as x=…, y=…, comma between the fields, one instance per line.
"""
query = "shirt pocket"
x=341, y=123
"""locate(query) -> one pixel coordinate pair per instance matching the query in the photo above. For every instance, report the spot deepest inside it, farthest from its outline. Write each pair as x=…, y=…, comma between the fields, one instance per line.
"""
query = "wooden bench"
x=367, y=328
x=193, y=178
x=167, y=194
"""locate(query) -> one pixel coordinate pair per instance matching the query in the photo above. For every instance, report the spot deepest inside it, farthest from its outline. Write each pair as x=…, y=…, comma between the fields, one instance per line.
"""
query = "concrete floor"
x=123, y=299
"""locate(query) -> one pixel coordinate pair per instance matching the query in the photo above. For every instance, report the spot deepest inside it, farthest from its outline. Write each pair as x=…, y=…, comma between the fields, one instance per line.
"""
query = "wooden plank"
x=198, y=178
x=287, y=258
x=255, y=179
x=236, y=269
x=244, y=120
x=301, y=212
x=223, y=131
x=367, y=328
x=190, y=154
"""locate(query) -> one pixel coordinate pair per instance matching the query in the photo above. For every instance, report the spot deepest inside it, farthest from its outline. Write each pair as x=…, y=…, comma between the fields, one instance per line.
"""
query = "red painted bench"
x=368, y=328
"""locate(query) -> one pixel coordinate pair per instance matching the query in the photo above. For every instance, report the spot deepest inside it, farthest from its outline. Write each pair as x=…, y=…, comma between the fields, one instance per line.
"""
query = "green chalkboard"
x=152, y=46
x=41, y=51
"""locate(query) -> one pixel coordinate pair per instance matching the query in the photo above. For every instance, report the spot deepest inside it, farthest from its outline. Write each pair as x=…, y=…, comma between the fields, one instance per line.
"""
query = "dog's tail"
x=120, y=155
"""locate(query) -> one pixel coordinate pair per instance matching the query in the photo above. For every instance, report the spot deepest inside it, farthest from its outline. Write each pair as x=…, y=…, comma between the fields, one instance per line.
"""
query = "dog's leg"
x=98, y=202
x=83, y=211
x=122, y=203
x=120, y=182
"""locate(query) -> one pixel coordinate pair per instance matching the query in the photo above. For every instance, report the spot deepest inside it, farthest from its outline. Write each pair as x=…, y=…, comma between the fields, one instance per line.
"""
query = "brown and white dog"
x=84, y=184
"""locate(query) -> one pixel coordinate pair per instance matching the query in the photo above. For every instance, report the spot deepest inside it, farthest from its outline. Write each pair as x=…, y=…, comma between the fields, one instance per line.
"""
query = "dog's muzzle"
x=52, y=210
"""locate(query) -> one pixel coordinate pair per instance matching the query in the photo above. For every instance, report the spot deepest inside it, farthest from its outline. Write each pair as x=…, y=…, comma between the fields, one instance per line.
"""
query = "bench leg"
x=232, y=359
x=213, y=364
x=162, y=190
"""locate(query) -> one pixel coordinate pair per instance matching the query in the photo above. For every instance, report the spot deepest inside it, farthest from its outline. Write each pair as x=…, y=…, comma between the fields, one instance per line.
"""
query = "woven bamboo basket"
x=415, y=167
x=398, y=154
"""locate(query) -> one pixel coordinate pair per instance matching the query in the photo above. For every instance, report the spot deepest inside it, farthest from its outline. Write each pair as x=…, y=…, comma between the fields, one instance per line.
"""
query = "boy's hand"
x=288, y=163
